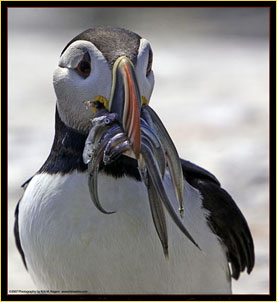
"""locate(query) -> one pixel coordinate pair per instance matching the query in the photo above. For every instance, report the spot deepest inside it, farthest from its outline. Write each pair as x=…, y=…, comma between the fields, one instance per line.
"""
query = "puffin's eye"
x=84, y=67
x=150, y=60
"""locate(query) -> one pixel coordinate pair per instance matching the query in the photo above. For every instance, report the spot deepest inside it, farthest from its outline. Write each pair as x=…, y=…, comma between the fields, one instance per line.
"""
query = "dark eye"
x=84, y=67
x=150, y=60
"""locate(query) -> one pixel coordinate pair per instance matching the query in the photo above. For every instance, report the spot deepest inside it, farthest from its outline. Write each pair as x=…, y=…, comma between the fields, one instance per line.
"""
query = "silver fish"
x=98, y=127
x=122, y=147
x=113, y=149
x=173, y=160
x=146, y=116
x=158, y=215
x=158, y=149
x=93, y=165
x=107, y=141
x=154, y=174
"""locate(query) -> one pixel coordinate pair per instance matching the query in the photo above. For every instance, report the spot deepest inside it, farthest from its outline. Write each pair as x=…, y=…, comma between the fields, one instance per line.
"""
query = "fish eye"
x=150, y=60
x=107, y=121
x=84, y=67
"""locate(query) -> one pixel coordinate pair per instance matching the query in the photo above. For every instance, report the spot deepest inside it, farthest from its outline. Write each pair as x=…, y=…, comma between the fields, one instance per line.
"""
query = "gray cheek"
x=67, y=92
x=75, y=116
x=151, y=82
x=72, y=92
x=61, y=82
x=146, y=85
x=70, y=104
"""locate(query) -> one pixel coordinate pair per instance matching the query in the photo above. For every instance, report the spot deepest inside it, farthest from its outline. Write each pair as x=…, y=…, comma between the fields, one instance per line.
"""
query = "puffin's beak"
x=125, y=100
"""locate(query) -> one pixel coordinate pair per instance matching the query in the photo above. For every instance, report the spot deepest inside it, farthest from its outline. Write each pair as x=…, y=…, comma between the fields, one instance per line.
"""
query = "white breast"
x=70, y=245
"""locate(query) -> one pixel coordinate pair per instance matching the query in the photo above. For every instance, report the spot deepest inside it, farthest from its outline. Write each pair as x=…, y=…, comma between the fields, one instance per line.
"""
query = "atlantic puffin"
x=68, y=245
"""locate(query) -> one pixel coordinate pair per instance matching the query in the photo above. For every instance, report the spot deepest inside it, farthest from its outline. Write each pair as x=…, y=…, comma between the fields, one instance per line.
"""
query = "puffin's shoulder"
x=192, y=171
x=225, y=218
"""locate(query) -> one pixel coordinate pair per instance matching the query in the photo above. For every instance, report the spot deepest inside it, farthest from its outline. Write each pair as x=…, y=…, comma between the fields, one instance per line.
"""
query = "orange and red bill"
x=125, y=100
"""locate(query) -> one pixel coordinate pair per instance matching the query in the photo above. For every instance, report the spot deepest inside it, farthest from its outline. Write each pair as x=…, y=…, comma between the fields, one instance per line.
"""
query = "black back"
x=225, y=218
x=113, y=42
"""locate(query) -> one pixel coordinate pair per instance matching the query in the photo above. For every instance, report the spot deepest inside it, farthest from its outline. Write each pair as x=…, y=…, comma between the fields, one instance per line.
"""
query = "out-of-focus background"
x=212, y=79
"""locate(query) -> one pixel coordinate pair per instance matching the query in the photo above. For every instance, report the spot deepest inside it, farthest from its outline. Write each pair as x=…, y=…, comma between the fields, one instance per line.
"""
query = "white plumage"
x=64, y=237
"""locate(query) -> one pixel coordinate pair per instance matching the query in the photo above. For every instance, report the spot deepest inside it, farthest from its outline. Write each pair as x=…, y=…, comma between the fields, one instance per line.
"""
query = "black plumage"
x=112, y=42
x=16, y=235
x=225, y=218
x=66, y=155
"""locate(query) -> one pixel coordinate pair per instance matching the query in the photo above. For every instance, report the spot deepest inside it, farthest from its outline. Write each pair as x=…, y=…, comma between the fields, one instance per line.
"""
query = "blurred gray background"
x=211, y=69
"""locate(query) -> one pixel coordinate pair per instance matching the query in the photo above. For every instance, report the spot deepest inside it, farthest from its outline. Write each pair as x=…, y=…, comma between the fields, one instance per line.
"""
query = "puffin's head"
x=109, y=67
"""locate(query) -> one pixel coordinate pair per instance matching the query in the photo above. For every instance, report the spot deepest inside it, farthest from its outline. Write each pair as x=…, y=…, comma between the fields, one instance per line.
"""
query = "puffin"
x=143, y=221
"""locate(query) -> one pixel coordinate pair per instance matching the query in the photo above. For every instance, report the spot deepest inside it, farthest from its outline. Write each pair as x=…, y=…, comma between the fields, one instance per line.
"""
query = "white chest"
x=70, y=245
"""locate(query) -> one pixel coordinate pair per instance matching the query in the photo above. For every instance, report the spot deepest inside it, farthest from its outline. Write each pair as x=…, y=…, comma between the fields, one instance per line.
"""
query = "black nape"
x=66, y=155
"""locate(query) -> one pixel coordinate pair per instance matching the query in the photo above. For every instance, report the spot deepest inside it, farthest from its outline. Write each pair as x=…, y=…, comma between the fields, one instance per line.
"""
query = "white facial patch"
x=73, y=90
x=146, y=83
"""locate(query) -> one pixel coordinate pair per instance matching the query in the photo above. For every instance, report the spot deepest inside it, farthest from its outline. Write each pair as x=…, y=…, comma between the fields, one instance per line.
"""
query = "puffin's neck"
x=66, y=151
x=67, y=155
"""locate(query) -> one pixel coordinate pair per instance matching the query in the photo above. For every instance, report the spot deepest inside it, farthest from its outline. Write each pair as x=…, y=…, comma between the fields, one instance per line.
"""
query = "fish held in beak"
x=107, y=147
x=173, y=160
x=133, y=129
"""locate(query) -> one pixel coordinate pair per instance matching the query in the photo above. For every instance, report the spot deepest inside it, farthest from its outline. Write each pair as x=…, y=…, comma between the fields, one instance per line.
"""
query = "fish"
x=117, y=145
x=160, y=191
x=103, y=129
x=158, y=148
x=107, y=141
x=173, y=160
x=99, y=125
